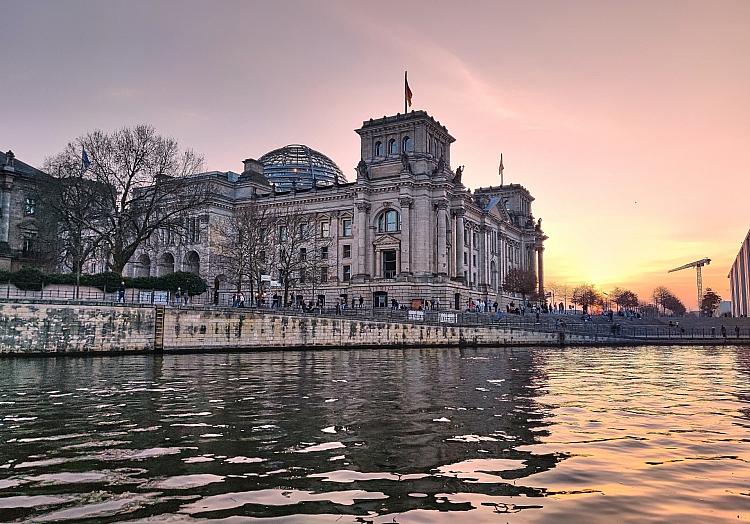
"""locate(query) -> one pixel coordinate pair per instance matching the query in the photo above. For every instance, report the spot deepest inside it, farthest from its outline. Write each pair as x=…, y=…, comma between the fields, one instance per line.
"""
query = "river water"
x=409, y=436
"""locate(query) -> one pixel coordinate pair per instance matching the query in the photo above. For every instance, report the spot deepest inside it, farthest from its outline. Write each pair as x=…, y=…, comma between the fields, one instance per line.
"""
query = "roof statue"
x=362, y=170
x=439, y=167
x=405, y=162
x=459, y=174
x=501, y=168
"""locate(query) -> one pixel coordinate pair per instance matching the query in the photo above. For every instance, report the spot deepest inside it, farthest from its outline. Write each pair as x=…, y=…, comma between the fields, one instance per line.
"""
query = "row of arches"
x=407, y=146
x=165, y=264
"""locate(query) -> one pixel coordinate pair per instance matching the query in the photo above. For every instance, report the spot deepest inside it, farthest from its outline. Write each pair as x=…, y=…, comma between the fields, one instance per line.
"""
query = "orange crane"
x=698, y=264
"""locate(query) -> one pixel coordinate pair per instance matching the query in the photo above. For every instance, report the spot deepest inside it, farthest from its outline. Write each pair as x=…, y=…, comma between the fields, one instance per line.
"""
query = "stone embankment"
x=75, y=328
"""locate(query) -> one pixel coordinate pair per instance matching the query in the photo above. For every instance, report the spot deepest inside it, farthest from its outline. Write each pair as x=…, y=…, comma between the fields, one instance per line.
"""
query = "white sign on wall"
x=448, y=318
x=416, y=315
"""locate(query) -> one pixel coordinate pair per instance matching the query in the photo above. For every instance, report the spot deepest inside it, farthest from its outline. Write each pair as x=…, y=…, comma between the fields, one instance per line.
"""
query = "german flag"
x=407, y=92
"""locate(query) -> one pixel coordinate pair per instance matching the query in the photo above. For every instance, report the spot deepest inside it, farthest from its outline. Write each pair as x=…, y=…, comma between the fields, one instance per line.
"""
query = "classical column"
x=5, y=221
x=482, y=262
x=363, y=209
x=442, y=255
x=406, y=202
x=540, y=271
x=333, y=249
x=460, y=227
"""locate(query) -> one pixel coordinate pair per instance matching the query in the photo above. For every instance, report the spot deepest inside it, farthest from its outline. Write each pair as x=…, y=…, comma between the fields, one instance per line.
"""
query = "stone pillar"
x=5, y=220
x=363, y=209
x=406, y=202
x=460, y=227
x=470, y=253
x=540, y=271
x=482, y=262
x=441, y=208
x=333, y=248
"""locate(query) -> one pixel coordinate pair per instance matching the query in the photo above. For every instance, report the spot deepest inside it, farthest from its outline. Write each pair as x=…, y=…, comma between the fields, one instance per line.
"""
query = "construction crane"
x=698, y=264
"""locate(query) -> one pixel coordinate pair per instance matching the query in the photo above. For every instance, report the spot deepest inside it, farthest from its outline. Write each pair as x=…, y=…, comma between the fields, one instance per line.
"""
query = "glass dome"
x=298, y=166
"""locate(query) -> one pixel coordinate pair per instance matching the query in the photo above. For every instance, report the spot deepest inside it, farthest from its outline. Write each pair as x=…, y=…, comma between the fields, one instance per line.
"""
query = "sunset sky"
x=628, y=121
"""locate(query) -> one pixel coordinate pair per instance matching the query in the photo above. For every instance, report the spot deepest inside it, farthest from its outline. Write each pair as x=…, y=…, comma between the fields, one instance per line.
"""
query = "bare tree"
x=660, y=295
x=521, y=281
x=74, y=202
x=624, y=298
x=674, y=304
x=586, y=295
x=710, y=302
x=146, y=186
x=302, y=249
x=558, y=291
x=243, y=250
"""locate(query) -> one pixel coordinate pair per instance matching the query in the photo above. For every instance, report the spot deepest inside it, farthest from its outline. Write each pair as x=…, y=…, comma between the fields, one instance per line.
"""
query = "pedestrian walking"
x=178, y=296
x=121, y=292
x=723, y=331
x=737, y=331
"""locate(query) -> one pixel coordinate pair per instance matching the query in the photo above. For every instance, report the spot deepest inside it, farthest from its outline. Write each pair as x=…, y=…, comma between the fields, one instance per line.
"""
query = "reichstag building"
x=406, y=229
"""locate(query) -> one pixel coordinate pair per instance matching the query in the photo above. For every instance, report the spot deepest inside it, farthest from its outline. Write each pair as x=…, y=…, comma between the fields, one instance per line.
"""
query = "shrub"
x=28, y=279
x=31, y=279
x=189, y=282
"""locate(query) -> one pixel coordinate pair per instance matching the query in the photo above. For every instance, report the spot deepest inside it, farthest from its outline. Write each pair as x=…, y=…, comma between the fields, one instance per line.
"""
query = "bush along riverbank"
x=30, y=279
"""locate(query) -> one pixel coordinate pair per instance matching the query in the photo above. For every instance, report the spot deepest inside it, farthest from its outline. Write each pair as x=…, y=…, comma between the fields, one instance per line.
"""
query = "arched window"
x=407, y=145
x=392, y=147
x=378, y=148
x=388, y=221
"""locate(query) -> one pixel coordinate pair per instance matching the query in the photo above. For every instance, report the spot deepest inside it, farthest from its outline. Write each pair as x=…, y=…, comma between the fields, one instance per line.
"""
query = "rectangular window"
x=302, y=253
x=474, y=239
x=324, y=253
x=347, y=227
x=302, y=276
x=29, y=206
x=324, y=274
x=466, y=258
x=325, y=229
x=474, y=259
x=193, y=230
x=347, y=273
x=389, y=263
x=29, y=239
x=347, y=251
x=282, y=233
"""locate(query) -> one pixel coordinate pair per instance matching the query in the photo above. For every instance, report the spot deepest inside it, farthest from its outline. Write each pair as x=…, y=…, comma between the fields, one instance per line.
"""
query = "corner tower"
x=422, y=138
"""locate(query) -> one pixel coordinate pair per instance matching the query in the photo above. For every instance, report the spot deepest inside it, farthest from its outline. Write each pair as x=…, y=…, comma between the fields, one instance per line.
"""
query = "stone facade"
x=406, y=229
x=23, y=240
x=739, y=281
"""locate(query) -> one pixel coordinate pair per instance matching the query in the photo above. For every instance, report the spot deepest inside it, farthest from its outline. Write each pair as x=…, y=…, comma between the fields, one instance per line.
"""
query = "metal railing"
x=736, y=329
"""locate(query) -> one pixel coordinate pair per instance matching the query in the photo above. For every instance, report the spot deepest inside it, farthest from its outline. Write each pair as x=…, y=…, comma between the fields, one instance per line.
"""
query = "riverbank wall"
x=76, y=328
x=64, y=327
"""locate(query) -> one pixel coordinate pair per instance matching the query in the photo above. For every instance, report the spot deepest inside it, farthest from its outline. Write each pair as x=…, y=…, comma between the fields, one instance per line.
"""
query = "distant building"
x=739, y=280
x=406, y=230
x=24, y=238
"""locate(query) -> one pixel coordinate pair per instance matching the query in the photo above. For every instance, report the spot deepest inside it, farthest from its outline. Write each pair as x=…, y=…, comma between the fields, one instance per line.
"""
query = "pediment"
x=386, y=240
